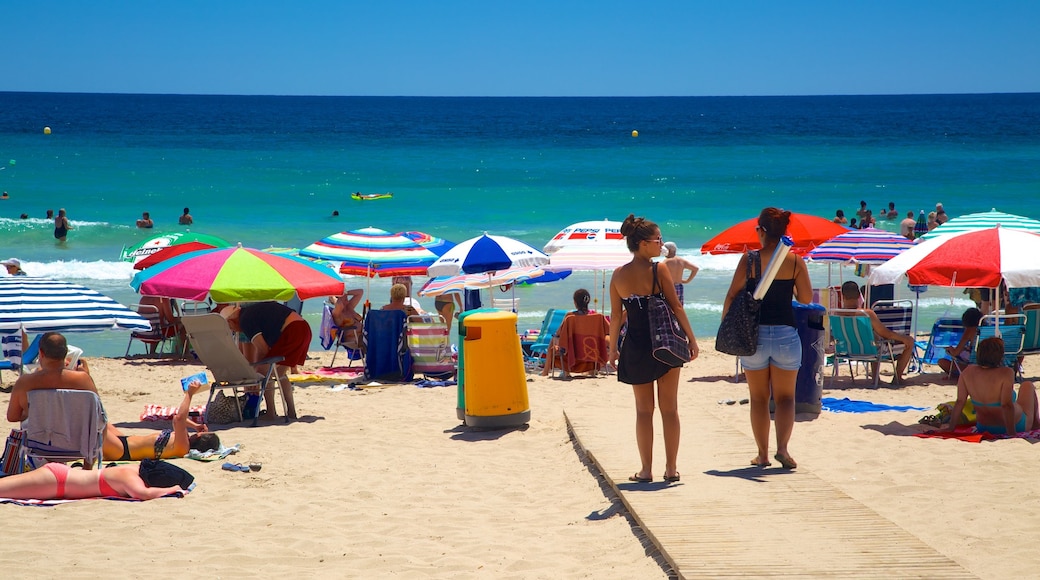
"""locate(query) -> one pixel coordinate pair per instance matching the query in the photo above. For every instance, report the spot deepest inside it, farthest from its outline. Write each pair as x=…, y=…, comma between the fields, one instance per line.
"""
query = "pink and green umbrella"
x=237, y=275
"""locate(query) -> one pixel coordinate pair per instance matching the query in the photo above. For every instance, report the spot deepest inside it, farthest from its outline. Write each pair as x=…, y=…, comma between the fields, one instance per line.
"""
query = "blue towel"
x=849, y=406
x=429, y=383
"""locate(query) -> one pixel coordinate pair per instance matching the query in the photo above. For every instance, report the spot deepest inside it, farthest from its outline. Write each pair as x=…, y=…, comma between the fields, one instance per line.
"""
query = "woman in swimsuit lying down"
x=149, y=480
x=998, y=409
x=164, y=444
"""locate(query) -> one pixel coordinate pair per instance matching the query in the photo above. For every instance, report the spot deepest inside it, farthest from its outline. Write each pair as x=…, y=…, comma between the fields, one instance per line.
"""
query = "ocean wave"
x=77, y=270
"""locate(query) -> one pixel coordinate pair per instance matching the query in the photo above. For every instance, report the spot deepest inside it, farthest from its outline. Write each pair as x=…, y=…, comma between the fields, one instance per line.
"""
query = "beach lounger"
x=65, y=425
x=386, y=352
x=429, y=343
x=854, y=340
x=213, y=343
x=508, y=304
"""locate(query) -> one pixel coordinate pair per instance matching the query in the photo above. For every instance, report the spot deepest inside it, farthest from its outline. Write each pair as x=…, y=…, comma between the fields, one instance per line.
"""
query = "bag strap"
x=656, y=288
x=754, y=260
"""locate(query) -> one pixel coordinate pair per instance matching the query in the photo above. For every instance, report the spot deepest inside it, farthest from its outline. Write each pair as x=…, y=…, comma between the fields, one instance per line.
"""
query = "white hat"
x=12, y=262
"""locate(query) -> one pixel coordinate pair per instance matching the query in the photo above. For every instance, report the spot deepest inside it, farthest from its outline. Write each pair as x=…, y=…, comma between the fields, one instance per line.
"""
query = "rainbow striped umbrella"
x=372, y=252
x=984, y=220
x=448, y=284
x=869, y=246
x=432, y=243
x=237, y=275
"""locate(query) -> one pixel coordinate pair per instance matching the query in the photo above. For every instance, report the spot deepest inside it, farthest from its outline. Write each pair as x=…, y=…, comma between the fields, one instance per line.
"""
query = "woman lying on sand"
x=149, y=480
x=164, y=444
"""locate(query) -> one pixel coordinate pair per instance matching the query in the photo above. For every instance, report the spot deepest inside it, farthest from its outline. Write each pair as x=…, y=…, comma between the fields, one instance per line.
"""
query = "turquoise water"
x=269, y=171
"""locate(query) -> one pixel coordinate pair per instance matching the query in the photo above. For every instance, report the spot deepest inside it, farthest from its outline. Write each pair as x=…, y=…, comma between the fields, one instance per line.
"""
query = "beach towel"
x=847, y=405
x=969, y=434
x=214, y=454
x=56, y=502
x=326, y=374
x=430, y=383
x=161, y=412
x=584, y=339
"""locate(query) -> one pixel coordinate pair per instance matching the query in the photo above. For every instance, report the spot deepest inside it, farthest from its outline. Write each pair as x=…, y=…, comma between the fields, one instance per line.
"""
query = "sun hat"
x=12, y=262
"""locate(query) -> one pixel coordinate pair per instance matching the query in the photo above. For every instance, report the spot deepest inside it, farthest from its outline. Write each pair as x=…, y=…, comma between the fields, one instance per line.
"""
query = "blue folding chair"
x=550, y=326
x=1011, y=328
x=386, y=351
x=854, y=340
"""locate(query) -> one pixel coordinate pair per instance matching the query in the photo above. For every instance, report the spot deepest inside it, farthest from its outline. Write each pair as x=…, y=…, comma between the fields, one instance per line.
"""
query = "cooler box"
x=492, y=381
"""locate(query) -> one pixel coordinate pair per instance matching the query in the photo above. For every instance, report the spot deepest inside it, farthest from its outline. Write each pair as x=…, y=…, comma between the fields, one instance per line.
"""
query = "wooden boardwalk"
x=752, y=522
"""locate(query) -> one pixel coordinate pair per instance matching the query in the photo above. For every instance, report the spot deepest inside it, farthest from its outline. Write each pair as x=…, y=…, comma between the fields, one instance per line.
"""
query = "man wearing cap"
x=274, y=329
x=14, y=267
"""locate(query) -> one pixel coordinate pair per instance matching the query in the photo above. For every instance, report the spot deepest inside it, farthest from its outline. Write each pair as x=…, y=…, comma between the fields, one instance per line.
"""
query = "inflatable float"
x=370, y=196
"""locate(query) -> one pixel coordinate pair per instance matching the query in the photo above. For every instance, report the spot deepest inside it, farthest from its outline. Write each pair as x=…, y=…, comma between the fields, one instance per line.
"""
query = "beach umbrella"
x=869, y=246
x=586, y=234
x=168, y=252
x=432, y=243
x=806, y=231
x=972, y=259
x=486, y=253
x=456, y=284
x=372, y=252
x=295, y=253
x=237, y=275
x=921, y=226
x=156, y=243
x=984, y=220
x=44, y=305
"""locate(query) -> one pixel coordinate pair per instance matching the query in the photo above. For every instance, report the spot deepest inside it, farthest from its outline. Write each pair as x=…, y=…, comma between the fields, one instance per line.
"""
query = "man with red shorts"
x=274, y=330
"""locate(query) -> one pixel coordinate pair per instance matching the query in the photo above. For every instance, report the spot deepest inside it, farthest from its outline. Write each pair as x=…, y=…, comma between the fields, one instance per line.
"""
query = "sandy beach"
x=385, y=482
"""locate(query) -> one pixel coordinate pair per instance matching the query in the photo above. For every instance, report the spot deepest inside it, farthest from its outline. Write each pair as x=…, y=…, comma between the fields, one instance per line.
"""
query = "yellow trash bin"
x=496, y=384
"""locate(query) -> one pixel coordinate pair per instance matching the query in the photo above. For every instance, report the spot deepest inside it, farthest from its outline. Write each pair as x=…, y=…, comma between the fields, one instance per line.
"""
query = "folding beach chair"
x=386, y=352
x=11, y=345
x=213, y=343
x=331, y=335
x=1031, y=334
x=510, y=304
x=163, y=329
x=1010, y=328
x=854, y=340
x=898, y=316
x=946, y=332
x=64, y=425
x=581, y=344
x=430, y=346
x=550, y=325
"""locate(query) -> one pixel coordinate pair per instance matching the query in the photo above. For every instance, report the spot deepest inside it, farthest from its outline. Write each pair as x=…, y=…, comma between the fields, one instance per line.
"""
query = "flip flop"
x=255, y=466
x=637, y=479
x=234, y=467
x=672, y=478
x=785, y=462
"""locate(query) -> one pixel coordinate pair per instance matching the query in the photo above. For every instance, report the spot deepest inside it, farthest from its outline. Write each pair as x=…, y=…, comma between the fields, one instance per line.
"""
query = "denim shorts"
x=779, y=346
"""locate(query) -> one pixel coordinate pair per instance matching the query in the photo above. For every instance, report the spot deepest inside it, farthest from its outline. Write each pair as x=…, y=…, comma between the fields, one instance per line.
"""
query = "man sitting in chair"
x=850, y=299
x=52, y=374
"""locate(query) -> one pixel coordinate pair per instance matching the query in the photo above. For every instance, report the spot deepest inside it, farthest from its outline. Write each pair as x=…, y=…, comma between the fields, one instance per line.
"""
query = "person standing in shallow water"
x=630, y=288
x=61, y=226
x=773, y=369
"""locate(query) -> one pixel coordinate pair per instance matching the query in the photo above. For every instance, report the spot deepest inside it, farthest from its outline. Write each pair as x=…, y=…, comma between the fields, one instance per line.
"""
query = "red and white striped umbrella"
x=973, y=259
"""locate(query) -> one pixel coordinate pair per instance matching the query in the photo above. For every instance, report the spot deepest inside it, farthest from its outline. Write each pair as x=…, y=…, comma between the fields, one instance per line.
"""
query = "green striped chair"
x=854, y=340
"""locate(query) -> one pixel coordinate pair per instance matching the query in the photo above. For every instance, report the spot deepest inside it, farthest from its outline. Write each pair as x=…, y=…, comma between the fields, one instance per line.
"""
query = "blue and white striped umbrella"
x=486, y=254
x=44, y=305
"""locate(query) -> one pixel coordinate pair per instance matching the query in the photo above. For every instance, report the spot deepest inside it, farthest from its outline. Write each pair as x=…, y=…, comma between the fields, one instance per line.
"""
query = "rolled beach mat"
x=782, y=249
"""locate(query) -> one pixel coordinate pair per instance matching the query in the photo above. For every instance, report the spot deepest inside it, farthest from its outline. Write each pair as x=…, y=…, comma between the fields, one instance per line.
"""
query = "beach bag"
x=224, y=409
x=667, y=340
x=738, y=332
x=13, y=460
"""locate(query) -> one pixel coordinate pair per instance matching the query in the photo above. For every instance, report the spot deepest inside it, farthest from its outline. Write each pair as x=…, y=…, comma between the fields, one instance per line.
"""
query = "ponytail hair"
x=581, y=300
x=773, y=222
x=636, y=230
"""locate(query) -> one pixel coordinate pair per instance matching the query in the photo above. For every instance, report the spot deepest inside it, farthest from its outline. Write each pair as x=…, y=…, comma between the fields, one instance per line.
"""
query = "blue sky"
x=534, y=48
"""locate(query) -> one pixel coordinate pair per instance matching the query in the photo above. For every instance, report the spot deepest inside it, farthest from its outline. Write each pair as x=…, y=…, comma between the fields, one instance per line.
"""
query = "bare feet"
x=760, y=462
x=785, y=461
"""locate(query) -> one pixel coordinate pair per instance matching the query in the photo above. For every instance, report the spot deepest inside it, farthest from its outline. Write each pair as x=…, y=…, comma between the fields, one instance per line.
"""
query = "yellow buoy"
x=635, y=133
x=46, y=130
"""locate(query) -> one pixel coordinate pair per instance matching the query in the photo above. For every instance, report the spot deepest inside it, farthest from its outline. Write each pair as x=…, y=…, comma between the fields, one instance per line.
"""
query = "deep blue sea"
x=269, y=171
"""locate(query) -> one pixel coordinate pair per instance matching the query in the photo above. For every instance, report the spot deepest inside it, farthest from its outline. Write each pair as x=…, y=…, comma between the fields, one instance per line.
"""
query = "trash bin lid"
x=812, y=306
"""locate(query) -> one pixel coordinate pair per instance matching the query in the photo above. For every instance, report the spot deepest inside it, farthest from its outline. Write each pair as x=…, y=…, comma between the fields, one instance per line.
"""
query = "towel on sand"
x=849, y=406
x=54, y=502
x=969, y=434
x=160, y=412
x=328, y=374
x=213, y=455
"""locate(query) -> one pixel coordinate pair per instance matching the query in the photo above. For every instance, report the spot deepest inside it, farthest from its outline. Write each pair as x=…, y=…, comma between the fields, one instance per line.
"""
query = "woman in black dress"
x=630, y=286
